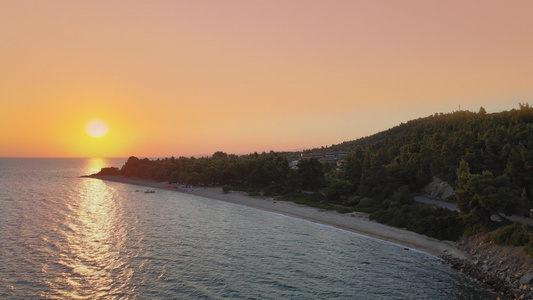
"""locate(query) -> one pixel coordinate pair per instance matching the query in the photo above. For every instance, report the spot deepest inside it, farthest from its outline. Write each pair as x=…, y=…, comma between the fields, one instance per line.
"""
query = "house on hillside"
x=336, y=154
x=328, y=160
x=334, y=158
x=294, y=164
x=309, y=155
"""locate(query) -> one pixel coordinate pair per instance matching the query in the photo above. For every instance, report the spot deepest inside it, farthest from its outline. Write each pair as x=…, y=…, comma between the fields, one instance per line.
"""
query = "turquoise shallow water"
x=65, y=237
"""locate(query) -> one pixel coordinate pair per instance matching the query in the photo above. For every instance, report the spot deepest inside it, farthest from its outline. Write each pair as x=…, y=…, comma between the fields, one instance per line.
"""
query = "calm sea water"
x=66, y=237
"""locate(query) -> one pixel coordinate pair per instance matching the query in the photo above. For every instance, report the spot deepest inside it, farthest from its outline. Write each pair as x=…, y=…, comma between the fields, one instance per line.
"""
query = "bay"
x=66, y=237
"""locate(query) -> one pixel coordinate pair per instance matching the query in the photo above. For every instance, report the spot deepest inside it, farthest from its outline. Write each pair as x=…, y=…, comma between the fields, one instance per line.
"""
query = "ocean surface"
x=66, y=237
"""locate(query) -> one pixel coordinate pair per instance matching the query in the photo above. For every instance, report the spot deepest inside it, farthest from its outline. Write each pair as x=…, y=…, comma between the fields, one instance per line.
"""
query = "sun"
x=96, y=128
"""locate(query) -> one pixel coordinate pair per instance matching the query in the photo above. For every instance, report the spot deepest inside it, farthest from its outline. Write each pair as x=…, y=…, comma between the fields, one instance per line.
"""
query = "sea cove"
x=65, y=237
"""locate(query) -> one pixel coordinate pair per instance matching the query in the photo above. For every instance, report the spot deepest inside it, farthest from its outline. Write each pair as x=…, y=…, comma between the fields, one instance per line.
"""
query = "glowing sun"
x=96, y=128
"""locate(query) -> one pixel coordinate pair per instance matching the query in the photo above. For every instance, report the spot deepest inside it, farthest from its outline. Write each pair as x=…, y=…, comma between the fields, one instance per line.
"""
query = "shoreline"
x=354, y=222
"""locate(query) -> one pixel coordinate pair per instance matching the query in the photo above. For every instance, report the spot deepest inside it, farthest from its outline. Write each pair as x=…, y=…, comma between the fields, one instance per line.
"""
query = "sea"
x=67, y=237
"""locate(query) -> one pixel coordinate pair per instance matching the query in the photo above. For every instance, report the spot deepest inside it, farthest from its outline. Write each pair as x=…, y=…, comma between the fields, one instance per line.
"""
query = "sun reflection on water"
x=95, y=236
x=94, y=165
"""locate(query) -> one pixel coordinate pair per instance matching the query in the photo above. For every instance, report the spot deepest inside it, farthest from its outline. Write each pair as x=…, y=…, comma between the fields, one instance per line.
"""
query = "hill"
x=487, y=158
x=500, y=144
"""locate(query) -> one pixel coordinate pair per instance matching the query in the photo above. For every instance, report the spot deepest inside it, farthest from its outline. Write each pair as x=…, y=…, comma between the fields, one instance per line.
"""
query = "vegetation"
x=110, y=171
x=487, y=157
x=317, y=200
x=432, y=221
x=479, y=196
x=226, y=188
x=516, y=234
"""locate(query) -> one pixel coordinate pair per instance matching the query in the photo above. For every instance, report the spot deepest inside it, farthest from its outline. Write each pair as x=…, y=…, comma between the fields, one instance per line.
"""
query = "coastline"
x=354, y=222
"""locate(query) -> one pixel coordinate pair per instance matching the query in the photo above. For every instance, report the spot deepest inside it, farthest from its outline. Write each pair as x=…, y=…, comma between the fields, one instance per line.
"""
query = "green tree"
x=193, y=179
x=353, y=170
x=174, y=177
x=293, y=182
x=481, y=195
x=311, y=173
x=338, y=190
x=471, y=210
x=403, y=195
x=219, y=155
x=135, y=167
x=520, y=168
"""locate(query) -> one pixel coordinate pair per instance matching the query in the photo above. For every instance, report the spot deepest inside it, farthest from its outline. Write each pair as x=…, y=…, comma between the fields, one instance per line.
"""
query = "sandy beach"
x=355, y=222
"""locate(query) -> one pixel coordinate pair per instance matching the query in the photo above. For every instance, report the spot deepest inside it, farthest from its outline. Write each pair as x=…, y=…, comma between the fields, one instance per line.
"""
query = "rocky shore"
x=508, y=271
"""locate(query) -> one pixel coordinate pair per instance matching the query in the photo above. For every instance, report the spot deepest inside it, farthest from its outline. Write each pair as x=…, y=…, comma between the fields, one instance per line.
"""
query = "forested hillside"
x=488, y=158
x=481, y=154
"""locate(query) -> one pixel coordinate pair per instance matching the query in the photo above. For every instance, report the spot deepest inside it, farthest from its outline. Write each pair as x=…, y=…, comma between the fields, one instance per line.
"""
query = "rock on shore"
x=507, y=270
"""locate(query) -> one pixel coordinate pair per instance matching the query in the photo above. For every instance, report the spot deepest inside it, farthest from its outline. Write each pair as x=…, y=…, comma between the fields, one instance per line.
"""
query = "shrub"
x=516, y=234
x=254, y=192
x=474, y=229
x=368, y=205
x=226, y=188
x=313, y=200
x=528, y=248
x=273, y=190
x=403, y=195
x=343, y=210
x=352, y=201
x=434, y=222
x=318, y=197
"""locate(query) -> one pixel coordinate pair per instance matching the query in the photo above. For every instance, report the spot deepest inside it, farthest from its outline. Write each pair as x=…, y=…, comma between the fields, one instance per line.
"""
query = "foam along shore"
x=355, y=222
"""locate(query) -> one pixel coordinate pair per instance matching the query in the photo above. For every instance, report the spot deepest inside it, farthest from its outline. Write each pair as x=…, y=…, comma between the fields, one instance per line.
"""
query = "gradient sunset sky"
x=182, y=78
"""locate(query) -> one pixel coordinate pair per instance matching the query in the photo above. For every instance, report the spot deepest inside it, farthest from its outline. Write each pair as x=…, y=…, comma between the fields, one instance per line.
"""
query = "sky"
x=185, y=78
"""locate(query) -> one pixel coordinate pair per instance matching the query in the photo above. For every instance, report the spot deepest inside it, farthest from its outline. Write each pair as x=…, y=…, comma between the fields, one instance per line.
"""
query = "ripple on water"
x=66, y=237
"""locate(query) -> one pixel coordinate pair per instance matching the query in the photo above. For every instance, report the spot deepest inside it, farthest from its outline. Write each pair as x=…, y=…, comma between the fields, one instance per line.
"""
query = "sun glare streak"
x=94, y=165
x=94, y=241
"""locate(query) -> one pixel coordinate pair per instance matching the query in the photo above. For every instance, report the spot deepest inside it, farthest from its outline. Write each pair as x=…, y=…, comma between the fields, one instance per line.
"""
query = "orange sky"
x=194, y=77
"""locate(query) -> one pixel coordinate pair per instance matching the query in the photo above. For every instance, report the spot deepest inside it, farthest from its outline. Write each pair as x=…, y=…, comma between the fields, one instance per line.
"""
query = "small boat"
x=149, y=191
